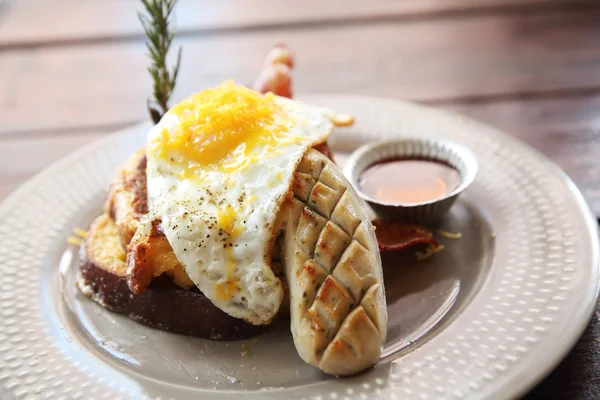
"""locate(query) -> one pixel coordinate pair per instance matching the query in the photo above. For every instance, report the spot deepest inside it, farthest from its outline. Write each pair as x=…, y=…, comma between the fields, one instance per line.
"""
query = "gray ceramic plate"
x=486, y=318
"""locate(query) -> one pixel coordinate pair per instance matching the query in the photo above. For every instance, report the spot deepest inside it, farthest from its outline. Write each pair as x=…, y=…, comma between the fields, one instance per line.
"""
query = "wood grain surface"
x=37, y=23
x=456, y=60
x=72, y=71
x=578, y=375
x=566, y=129
x=37, y=152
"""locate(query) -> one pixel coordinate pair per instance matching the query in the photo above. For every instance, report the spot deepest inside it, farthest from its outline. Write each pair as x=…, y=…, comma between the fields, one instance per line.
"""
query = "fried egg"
x=219, y=165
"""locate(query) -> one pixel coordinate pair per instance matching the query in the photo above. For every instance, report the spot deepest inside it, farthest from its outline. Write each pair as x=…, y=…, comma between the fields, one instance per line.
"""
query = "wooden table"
x=72, y=71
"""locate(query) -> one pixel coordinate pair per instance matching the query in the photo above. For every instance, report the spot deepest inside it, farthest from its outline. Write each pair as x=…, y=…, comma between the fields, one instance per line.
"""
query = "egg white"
x=233, y=270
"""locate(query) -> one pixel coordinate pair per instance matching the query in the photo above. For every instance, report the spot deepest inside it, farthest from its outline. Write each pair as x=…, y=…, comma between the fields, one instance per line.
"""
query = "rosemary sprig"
x=160, y=35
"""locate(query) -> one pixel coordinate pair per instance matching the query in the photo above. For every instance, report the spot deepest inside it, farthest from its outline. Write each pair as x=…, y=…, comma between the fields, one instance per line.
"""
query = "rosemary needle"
x=157, y=25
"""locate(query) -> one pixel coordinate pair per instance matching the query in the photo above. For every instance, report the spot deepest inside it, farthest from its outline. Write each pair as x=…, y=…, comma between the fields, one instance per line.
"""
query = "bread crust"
x=127, y=199
x=163, y=305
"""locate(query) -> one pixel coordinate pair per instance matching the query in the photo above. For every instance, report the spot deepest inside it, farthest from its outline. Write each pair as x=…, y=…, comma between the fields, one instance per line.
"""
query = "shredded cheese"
x=450, y=235
x=429, y=251
x=343, y=120
x=219, y=129
x=80, y=232
x=74, y=240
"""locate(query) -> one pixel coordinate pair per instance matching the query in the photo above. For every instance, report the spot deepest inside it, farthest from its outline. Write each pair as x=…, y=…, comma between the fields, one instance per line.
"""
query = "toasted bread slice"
x=164, y=305
x=127, y=199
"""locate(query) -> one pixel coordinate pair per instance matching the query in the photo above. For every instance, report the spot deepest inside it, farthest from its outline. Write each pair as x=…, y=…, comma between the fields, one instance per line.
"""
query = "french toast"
x=164, y=305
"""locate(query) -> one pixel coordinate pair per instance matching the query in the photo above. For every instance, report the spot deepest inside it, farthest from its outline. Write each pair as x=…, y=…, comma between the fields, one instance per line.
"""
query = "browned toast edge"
x=164, y=305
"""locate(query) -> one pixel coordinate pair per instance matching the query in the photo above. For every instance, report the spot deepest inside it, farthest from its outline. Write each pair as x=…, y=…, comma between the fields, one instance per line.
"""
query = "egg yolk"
x=219, y=128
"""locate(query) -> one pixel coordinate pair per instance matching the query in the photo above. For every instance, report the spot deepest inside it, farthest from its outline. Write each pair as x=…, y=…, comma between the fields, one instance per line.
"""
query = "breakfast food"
x=399, y=235
x=234, y=215
x=276, y=75
x=333, y=269
x=165, y=305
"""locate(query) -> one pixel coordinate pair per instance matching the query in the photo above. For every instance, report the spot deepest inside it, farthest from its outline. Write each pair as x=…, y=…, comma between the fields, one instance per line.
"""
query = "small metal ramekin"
x=442, y=150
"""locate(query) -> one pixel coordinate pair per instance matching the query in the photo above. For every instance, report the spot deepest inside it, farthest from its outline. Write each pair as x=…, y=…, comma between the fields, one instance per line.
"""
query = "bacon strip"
x=396, y=235
x=276, y=74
